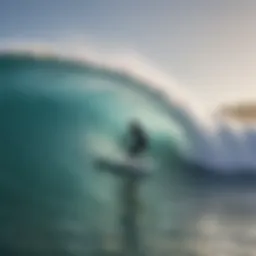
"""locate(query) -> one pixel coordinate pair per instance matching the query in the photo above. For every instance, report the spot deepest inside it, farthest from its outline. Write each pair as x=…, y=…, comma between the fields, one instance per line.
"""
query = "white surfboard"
x=126, y=167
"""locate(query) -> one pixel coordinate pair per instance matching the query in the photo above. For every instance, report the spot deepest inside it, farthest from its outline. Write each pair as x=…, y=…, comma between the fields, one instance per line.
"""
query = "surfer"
x=131, y=175
x=138, y=143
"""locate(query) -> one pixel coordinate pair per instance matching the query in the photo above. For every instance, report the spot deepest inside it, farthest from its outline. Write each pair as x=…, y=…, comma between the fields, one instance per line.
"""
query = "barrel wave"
x=57, y=117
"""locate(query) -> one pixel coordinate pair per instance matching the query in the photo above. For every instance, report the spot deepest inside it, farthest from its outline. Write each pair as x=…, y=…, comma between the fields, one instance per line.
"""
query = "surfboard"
x=138, y=168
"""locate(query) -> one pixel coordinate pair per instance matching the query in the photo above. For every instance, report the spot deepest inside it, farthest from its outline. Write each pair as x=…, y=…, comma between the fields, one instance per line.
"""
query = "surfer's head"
x=135, y=126
x=139, y=139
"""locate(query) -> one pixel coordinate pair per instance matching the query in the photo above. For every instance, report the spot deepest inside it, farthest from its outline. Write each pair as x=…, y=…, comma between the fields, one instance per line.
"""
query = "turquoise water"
x=57, y=118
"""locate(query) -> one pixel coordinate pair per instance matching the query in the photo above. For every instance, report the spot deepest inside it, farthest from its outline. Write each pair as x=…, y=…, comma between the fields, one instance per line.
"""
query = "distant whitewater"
x=58, y=114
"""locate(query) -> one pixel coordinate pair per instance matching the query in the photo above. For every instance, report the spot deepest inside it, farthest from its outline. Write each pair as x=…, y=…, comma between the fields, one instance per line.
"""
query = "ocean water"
x=59, y=116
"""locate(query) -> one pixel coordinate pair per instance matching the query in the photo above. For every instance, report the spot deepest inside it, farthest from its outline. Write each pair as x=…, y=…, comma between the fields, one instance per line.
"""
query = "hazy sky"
x=208, y=45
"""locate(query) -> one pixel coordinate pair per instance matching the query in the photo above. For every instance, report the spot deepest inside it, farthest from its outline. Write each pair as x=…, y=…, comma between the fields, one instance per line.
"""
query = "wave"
x=61, y=113
x=160, y=105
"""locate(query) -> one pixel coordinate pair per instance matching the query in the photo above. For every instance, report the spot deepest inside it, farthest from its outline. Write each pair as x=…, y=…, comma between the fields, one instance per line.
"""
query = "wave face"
x=57, y=117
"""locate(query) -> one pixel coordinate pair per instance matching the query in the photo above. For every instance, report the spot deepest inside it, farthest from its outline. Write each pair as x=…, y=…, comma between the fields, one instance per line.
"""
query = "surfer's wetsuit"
x=137, y=144
x=132, y=243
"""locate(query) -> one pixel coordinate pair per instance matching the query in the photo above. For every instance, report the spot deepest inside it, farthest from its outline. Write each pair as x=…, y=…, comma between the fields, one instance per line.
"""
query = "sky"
x=209, y=46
